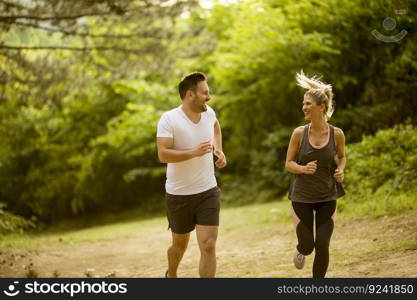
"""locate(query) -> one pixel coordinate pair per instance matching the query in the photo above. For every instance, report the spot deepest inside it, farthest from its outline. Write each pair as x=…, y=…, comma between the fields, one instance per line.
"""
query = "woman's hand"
x=339, y=175
x=311, y=167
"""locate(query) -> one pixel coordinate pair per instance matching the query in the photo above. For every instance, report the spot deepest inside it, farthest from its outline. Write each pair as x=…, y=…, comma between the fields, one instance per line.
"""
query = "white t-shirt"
x=194, y=175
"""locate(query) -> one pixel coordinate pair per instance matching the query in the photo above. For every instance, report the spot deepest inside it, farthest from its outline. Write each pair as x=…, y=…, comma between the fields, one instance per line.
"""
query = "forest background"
x=83, y=84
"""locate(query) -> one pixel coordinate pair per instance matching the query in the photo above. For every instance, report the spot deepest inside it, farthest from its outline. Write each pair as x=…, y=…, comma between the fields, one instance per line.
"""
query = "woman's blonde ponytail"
x=322, y=92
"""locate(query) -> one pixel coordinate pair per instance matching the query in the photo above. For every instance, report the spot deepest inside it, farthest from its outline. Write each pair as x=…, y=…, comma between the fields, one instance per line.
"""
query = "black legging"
x=324, y=230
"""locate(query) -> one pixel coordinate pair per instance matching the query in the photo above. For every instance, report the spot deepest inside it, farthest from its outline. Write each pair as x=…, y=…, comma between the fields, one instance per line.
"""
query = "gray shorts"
x=185, y=211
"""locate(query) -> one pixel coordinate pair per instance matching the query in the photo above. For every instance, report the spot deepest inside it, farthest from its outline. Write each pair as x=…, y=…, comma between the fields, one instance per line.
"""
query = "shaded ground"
x=385, y=247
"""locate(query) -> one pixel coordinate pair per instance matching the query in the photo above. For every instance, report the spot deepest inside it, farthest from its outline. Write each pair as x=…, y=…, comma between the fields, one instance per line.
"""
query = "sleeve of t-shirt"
x=165, y=127
x=211, y=112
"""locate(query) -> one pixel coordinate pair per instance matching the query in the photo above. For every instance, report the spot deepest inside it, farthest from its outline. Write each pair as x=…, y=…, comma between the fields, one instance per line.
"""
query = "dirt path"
x=385, y=247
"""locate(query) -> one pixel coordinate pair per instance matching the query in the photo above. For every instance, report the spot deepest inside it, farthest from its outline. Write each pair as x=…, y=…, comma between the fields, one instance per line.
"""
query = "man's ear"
x=189, y=93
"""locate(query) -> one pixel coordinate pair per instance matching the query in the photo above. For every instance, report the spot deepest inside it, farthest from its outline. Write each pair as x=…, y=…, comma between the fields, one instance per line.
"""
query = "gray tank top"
x=320, y=186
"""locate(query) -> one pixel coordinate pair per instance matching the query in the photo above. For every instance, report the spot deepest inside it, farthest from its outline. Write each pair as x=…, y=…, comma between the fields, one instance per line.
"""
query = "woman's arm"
x=293, y=147
x=341, y=156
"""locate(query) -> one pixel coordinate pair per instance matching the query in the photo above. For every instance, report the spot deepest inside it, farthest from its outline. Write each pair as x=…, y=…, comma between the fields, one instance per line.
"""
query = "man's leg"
x=176, y=252
x=207, y=237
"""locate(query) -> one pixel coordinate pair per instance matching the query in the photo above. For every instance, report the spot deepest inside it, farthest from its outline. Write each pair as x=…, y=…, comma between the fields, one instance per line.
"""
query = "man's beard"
x=199, y=107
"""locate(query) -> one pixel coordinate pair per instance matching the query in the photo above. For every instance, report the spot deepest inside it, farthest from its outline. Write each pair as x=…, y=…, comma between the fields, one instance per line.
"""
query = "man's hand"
x=203, y=149
x=311, y=167
x=339, y=175
x=221, y=159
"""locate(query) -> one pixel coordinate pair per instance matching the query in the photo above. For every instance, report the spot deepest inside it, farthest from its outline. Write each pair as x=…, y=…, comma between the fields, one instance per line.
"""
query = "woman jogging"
x=316, y=155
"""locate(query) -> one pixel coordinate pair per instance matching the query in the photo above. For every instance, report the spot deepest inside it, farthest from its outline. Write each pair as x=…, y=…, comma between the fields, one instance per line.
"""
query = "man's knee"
x=179, y=247
x=208, y=245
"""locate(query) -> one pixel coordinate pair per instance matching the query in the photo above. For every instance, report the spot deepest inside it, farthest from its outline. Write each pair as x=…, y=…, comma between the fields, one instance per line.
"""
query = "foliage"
x=98, y=152
x=10, y=223
x=122, y=160
x=381, y=173
x=82, y=87
x=269, y=41
x=389, y=155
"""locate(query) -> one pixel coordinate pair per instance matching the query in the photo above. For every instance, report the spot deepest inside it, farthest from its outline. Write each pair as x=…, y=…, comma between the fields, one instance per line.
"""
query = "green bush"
x=390, y=155
x=96, y=153
x=10, y=223
x=240, y=190
x=381, y=173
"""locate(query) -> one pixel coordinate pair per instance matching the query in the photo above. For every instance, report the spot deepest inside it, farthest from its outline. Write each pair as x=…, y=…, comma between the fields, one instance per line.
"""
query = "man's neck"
x=193, y=116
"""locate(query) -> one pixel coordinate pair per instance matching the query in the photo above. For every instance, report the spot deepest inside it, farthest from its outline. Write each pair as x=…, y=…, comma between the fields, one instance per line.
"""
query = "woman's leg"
x=324, y=228
x=303, y=213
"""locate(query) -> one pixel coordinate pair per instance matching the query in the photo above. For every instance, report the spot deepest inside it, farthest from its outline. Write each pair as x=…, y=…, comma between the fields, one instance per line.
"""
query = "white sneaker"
x=299, y=260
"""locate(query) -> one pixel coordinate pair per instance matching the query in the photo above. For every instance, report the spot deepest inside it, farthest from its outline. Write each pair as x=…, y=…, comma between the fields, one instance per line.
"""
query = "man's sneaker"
x=299, y=260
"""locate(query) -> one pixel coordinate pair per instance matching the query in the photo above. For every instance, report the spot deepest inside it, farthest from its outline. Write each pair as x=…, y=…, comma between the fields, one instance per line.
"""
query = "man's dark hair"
x=190, y=82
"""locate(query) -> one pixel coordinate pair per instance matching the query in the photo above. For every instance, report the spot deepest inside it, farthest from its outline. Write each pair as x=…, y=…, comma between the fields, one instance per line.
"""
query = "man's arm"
x=218, y=148
x=167, y=154
x=217, y=136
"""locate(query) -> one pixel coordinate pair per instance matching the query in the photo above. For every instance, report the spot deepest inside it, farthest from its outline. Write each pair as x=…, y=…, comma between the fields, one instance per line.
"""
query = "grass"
x=386, y=200
x=130, y=225
x=112, y=227
x=107, y=232
x=254, y=241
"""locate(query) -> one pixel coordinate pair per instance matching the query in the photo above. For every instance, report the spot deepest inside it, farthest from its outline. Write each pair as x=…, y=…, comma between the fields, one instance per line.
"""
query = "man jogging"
x=187, y=138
